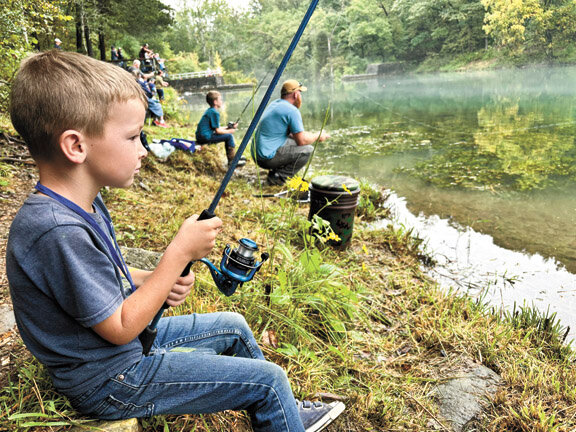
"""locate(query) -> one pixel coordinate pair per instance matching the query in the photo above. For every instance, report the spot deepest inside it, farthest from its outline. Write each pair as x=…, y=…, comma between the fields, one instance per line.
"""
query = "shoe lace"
x=309, y=404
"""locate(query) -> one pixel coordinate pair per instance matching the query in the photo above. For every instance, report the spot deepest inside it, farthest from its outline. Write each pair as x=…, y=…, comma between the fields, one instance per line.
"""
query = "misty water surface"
x=482, y=164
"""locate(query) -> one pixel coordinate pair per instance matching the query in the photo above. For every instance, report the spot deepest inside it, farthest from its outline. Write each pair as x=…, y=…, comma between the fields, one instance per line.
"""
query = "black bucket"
x=335, y=198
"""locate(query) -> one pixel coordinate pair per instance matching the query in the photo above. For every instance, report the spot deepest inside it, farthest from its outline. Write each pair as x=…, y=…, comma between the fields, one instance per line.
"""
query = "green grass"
x=364, y=324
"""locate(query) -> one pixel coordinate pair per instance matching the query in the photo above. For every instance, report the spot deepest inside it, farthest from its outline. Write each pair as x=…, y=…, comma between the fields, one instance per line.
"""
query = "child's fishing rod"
x=231, y=124
x=242, y=266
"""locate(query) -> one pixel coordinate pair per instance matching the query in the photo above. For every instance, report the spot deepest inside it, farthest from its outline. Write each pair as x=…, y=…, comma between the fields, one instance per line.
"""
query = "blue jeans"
x=200, y=363
x=155, y=108
x=227, y=139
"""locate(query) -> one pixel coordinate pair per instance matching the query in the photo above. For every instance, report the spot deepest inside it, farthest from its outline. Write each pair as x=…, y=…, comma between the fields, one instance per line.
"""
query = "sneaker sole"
x=330, y=416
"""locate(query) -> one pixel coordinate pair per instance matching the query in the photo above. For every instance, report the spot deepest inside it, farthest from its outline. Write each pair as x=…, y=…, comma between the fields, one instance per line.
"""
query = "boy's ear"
x=73, y=146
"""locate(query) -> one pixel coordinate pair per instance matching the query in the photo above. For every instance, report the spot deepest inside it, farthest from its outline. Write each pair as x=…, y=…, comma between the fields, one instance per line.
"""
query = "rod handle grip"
x=206, y=214
x=147, y=338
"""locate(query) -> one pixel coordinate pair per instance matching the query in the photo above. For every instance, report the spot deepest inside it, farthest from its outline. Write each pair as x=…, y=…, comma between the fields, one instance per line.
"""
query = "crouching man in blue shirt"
x=81, y=120
x=282, y=144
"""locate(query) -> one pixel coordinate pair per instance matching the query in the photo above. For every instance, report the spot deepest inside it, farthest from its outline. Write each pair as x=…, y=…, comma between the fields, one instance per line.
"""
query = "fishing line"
x=233, y=164
x=254, y=93
x=224, y=279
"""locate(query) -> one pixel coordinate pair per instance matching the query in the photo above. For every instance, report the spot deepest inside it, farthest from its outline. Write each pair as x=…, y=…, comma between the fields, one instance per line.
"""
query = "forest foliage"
x=343, y=37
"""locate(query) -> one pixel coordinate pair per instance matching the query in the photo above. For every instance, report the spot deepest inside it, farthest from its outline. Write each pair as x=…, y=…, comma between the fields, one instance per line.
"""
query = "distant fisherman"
x=282, y=144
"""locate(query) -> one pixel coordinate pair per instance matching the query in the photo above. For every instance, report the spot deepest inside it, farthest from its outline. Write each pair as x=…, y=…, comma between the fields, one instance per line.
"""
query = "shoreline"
x=391, y=332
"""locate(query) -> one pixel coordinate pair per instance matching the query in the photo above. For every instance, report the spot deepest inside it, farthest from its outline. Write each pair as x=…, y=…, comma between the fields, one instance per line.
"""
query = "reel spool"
x=237, y=266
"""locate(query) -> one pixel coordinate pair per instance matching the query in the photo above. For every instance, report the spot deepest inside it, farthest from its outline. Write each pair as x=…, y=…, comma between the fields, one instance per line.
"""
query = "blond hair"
x=211, y=96
x=55, y=91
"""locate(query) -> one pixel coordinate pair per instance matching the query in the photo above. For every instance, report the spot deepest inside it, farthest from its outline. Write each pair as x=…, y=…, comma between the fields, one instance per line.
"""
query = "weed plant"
x=364, y=324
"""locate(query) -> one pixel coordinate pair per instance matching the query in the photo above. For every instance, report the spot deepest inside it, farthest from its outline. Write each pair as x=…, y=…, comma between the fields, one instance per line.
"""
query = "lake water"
x=482, y=165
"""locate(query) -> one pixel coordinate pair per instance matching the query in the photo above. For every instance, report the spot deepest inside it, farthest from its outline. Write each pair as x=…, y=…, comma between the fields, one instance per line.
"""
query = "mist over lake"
x=481, y=164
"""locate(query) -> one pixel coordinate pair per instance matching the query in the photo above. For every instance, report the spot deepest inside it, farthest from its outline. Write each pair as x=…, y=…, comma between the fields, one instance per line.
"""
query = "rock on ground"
x=461, y=398
x=130, y=425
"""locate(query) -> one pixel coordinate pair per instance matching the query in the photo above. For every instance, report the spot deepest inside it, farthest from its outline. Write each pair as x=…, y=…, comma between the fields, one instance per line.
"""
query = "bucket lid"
x=335, y=183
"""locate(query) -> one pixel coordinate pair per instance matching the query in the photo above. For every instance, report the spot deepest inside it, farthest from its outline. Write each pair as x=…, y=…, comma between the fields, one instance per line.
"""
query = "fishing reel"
x=237, y=266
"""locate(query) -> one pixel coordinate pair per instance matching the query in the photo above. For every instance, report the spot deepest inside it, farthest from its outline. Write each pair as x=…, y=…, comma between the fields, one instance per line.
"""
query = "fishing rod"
x=231, y=124
x=237, y=266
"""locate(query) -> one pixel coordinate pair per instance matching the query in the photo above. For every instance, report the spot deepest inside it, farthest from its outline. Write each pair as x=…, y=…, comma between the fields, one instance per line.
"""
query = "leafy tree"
x=506, y=21
x=24, y=24
x=369, y=31
x=443, y=26
x=207, y=27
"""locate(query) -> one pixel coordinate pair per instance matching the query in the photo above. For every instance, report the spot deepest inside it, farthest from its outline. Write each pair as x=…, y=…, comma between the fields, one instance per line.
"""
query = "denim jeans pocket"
x=117, y=398
x=115, y=407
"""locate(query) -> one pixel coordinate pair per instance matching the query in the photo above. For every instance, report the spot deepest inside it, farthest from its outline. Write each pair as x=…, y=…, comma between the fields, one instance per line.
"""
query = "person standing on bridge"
x=282, y=144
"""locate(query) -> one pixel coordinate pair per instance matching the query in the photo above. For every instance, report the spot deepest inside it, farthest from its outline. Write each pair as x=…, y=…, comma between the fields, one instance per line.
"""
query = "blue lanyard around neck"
x=108, y=239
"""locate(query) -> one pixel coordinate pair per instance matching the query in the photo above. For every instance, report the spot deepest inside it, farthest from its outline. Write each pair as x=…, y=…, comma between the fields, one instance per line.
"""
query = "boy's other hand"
x=181, y=289
x=196, y=238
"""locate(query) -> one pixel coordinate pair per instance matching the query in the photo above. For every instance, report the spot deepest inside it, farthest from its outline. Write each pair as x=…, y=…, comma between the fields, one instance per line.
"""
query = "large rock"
x=7, y=320
x=461, y=398
x=141, y=258
x=130, y=425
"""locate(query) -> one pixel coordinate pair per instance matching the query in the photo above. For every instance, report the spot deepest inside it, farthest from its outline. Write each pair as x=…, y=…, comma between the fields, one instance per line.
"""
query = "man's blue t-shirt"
x=63, y=281
x=280, y=119
x=208, y=123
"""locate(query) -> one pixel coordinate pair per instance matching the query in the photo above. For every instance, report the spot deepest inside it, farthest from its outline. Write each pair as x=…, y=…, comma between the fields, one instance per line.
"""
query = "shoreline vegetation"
x=364, y=325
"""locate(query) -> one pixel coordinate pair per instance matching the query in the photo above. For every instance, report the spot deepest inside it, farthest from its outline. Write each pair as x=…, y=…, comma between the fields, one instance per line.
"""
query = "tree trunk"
x=79, y=28
x=103, y=11
x=89, y=49
x=102, y=46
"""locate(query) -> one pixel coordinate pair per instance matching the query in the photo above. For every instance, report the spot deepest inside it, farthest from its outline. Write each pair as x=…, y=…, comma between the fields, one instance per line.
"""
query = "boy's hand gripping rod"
x=149, y=333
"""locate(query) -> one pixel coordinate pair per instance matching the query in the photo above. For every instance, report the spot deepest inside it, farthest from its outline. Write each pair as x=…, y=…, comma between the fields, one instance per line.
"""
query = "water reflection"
x=472, y=263
x=492, y=150
x=484, y=163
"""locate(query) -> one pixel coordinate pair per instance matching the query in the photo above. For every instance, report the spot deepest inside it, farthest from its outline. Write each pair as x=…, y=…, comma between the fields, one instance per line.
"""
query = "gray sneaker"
x=274, y=179
x=317, y=415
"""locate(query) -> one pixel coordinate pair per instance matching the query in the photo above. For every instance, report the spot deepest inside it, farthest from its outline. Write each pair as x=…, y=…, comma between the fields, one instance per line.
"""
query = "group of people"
x=80, y=309
x=282, y=145
x=117, y=56
x=153, y=87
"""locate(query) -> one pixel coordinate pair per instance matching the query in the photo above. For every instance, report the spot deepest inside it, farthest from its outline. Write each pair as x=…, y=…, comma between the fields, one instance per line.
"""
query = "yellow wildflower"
x=364, y=268
x=346, y=189
x=297, y=184
x=365, y=249
x=333, y=236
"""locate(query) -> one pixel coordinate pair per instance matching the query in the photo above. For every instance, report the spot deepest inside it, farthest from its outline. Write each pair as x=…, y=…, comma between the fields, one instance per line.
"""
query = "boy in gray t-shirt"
x=81, y=120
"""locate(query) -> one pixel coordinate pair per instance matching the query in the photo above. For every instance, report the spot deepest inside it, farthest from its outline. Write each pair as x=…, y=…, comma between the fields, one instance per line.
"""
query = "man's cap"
x=291, y=86
x=57, y=40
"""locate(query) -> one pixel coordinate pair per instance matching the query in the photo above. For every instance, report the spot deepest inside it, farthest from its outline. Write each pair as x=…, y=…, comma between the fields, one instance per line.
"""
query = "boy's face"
x=218, y=102
x=115, y=157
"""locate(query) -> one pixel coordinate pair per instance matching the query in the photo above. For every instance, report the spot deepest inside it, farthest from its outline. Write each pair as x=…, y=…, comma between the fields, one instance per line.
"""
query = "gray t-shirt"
x=63, y=281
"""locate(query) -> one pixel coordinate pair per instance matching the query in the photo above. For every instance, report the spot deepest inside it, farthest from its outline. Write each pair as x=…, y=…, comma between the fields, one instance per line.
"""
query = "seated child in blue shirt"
x=79, y=309
x=209, y=131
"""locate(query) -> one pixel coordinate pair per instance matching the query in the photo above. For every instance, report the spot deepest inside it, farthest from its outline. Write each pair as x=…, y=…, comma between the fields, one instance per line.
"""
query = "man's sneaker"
x=274, y=179
x=317, y=415
x=157, y=123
